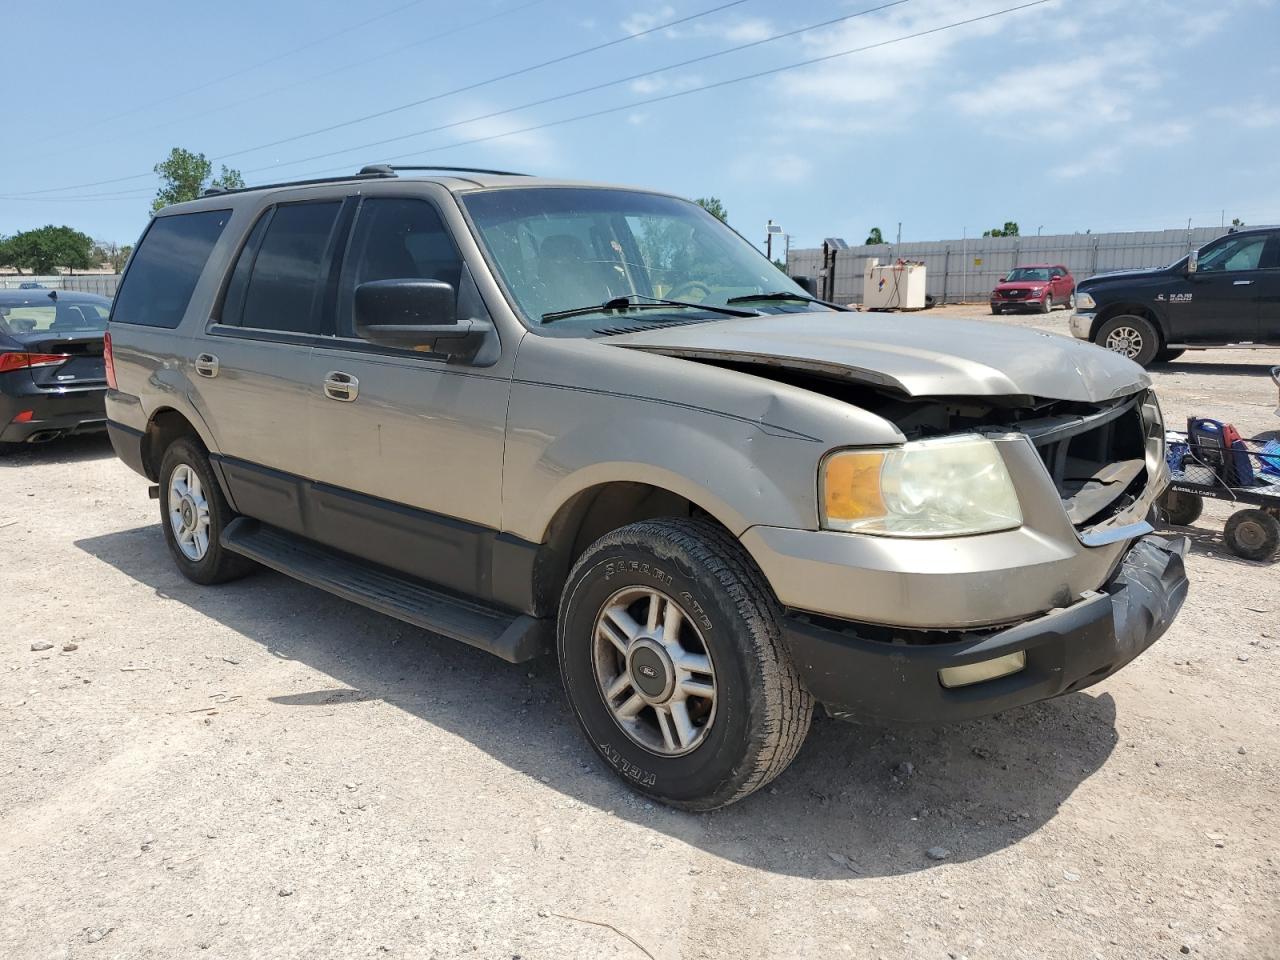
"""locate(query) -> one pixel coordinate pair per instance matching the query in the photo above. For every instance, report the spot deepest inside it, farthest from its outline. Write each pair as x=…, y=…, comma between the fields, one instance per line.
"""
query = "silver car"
x=532, y=415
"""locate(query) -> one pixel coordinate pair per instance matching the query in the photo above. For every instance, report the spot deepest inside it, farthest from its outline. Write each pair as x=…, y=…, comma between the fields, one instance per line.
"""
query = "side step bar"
x=515, y=637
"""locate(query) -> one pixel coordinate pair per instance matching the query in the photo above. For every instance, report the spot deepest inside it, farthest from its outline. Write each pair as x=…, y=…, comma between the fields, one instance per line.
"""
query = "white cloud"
x=648, y=19
x=1053, y=99
x=1257, y=114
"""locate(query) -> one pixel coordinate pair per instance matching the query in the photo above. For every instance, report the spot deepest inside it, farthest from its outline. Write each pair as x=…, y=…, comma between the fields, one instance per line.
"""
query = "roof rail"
x=374, y=171
x=496, y=173
x=367, y=173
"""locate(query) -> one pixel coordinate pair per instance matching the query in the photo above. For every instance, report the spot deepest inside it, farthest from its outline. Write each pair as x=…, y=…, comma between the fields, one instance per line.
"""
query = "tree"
x=1237, y=222
x=1010, y=229
x=184, y=175
x=714, y=207
x=112, y=254
x=46, y=248
x=874, y=237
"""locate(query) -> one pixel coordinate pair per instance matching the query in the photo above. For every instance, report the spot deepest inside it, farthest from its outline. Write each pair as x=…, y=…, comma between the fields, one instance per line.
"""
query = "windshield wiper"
x=784, y=295
x=652, y=303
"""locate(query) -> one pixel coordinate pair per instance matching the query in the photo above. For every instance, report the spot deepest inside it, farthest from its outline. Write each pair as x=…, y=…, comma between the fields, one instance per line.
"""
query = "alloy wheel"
x=1125, y=340
x=654, y=671
x=188, y=512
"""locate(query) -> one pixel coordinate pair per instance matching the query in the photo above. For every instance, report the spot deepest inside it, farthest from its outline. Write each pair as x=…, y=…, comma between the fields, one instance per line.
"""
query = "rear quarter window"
x=165, y=268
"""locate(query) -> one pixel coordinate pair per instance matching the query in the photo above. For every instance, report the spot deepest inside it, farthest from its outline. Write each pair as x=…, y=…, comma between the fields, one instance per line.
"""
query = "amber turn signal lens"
x=851, y=487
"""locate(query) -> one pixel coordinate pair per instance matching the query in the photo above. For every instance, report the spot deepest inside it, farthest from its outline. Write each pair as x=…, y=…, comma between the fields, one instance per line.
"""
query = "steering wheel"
x=685, y=290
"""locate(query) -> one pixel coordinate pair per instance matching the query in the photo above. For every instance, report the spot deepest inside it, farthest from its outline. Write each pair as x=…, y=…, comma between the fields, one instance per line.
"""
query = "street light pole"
x=768, y=240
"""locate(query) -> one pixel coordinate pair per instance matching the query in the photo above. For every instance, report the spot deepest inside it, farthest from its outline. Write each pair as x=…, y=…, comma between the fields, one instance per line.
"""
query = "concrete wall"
x=958, y=270
x=103, y=284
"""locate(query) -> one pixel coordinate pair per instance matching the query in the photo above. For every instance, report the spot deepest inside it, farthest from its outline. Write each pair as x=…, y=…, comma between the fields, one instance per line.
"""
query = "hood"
x=1146, y=273
x=1021, y=284
x=914, y=354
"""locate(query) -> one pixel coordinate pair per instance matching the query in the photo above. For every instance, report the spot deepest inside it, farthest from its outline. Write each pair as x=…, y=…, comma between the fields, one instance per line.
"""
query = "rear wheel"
x=1131, y=336
x=1252, y=534
x=672, y=656
x=1167, y=356
x=194, y=513
x=1182, y=509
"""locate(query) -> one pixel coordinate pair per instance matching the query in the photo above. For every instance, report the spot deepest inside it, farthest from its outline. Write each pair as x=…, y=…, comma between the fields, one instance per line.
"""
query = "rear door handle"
x=207, y=365
x=1241, y=283
x=341, y=386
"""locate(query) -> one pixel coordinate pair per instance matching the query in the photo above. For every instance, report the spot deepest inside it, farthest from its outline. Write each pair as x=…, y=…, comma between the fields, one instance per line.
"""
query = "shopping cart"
x=1211, y=460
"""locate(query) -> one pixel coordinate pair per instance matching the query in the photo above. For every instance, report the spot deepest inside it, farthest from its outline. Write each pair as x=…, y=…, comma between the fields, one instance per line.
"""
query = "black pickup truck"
x=1227, y=294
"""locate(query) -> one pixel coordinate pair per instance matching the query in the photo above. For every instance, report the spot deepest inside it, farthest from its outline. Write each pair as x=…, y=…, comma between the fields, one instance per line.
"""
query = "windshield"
x=48, y=316
x=1028, y=273
x=559, y=249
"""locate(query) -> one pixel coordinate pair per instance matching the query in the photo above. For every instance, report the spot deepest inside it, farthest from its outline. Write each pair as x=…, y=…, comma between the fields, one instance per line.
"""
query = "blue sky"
x=1073, y=115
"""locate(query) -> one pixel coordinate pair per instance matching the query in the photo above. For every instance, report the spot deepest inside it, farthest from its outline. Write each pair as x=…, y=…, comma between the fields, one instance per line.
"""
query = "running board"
x=515, y=637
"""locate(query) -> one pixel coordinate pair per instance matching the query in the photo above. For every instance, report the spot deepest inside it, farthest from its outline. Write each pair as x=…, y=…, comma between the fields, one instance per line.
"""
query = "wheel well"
x=165, y=427
x=1132, y=309
x=591, y=514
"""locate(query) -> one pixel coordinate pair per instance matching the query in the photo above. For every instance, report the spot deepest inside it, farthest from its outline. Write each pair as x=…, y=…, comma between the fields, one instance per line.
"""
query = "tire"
x=732, y=743
x=1182, y=509
x=204, y=498
x=996, y=311
x=1131, y=336
x=1046, y=305
x=1252, y=534
x=1168, y=356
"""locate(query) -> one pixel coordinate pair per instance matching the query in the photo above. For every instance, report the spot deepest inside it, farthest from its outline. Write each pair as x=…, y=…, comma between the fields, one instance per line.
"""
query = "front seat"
x=569, y=277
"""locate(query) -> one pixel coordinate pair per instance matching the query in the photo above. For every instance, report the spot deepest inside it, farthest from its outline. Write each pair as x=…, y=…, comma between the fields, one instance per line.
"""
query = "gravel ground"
x=261, y=770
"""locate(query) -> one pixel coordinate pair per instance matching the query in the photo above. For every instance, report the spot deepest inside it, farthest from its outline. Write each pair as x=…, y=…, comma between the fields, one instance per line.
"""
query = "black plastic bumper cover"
x=127, y=443
x=1066, y=650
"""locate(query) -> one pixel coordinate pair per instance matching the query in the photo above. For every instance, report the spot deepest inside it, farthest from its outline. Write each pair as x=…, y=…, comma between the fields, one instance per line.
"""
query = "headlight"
x=1084, y=301
x=1037, y=289
x=952, y=486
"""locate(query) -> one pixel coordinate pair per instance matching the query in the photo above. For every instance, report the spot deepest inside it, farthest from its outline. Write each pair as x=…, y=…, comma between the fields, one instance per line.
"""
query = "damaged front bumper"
x=1064, y=650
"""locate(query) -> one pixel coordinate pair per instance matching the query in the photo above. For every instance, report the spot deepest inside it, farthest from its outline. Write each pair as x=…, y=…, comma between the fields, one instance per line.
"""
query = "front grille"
x=1097, y=459
x=1013, y=294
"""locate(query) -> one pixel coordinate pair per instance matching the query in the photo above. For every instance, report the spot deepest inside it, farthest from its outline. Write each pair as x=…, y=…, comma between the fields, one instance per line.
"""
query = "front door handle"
x=1241, y=283
x=207, y=365
x=341, y=386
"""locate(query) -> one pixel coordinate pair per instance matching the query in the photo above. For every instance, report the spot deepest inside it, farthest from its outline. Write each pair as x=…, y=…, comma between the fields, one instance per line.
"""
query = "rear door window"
x=286, y=272
x=165, y=268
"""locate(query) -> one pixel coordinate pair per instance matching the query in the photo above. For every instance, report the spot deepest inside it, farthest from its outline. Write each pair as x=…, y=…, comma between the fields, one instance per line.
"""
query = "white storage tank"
x=893, y=286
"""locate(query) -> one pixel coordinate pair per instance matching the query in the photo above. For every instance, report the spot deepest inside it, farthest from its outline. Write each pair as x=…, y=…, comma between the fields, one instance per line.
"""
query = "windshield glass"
x=1028, y=273
x=47, y=316
x=560, y=249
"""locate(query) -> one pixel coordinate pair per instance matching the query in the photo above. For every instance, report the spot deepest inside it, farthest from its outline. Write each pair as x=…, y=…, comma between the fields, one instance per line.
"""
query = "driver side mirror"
x=1193, y=262
x=1002, y=280
x=415, y=315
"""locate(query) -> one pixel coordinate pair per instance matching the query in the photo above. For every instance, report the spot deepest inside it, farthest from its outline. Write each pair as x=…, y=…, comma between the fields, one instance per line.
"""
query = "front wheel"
x=1168, y=356
x=1047, y=305
x=194, y=513
x=672, y=657
x=1130, y=336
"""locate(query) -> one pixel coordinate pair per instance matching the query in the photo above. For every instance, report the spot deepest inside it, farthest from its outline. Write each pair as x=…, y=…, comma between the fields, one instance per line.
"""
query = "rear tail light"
x=26, y=416
x=22, y=361
x=108, y=361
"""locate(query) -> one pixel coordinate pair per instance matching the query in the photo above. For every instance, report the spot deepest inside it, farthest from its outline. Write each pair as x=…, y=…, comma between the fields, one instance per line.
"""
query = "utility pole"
x=899, y=243
x=768, y=240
